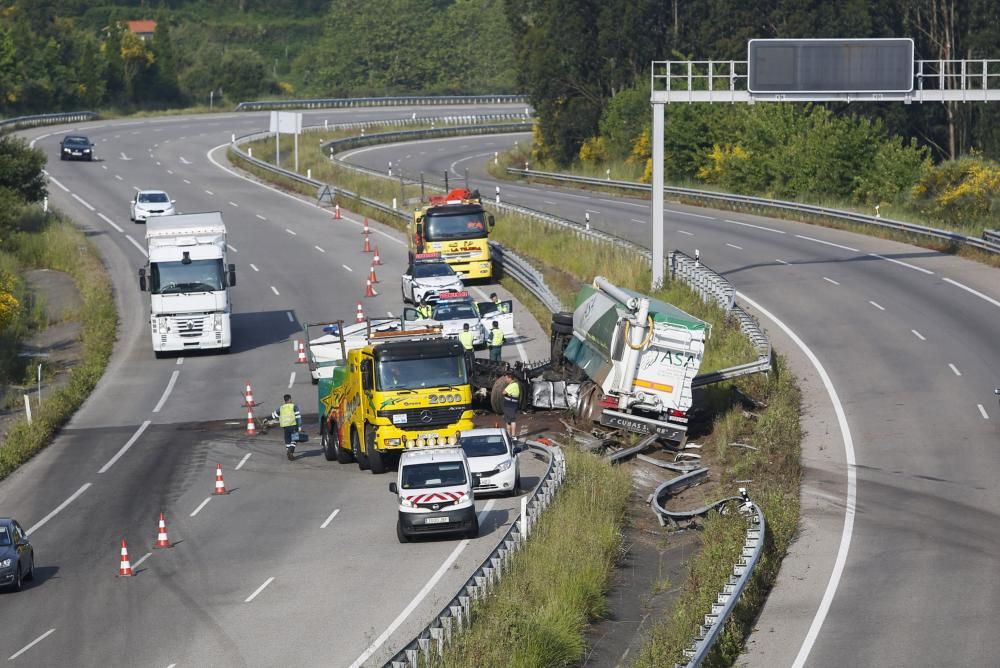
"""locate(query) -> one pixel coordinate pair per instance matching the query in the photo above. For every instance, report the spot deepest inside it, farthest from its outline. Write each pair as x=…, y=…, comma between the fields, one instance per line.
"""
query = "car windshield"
x=196, y=276
x=433, y=474
x=421, y=373
x=432, y=270
x=489, y=445
x=4, y=537
x=456, y=226
x=455, y=311
x=76, y=141
x=153, y=198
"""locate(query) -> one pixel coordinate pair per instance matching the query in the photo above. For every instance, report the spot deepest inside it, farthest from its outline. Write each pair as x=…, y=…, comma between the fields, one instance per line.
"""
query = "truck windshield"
x=433, y=474
x=197, y=276
x=457, y=226
x=421, y=373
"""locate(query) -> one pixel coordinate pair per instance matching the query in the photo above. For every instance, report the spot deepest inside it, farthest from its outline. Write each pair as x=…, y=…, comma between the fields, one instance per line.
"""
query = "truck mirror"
x=393, y=488
x=142, y=280
x=492, y=221
x=232, y=275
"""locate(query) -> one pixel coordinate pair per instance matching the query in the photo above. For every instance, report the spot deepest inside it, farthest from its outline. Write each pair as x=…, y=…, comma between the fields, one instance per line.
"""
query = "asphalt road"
x=899, y=356
x=299, y=564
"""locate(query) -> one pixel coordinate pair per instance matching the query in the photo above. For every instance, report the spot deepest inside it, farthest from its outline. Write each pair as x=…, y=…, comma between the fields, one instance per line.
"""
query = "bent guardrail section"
x=458, y=611
x=988, y=244
x=21, y=122
x=397, y=101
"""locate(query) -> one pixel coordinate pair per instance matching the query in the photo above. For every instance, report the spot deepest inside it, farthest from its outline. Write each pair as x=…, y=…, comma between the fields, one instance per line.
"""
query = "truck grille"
x=189, y=328
x=419, y=418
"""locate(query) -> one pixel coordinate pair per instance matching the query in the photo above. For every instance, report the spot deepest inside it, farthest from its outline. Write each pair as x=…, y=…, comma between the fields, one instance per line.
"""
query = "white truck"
x=188, y=281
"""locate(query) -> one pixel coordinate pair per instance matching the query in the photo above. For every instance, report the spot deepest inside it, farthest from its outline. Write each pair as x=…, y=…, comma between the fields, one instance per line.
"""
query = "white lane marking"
x=756, y=227
x=167, y=391
x=902, y=264
x=109, y=222
x=735, y=246
x=254, y=267
x=259, y=589
x=200, y=506
x=275, y=291
x=690, y=234
x=427, y=588
x=81, y=201
x=170, y=171
x=137, y=245
x=62, y=506
x=31, y=644
x=319, y=249
x=173, y=665
x=125, y=157
x=242, y=461
x=157, y=162
x=781, y=262
x=180, y=360
x=329, y=519
x=124, y=448
x=136, y=188
x=260, y=216
x=389, y=313
x=119, y=178
x=185, y=161
x=187, y=182
x=290, y=232
x=636, y=220
x=548, y=202
x=826, y=243
x=876, y=305
x=231, y=203
x=209, y=192
x=982, y=411
x=830, y=280
x=954, y=369
x=141, y=559
x=592, y=211
x=232, y=248
x=346, y=267
x=918, y=335
x=693, y=215
x=291, y=380
x=971, y=291
x=53, y=180
x=852, y=486
x=451, y=167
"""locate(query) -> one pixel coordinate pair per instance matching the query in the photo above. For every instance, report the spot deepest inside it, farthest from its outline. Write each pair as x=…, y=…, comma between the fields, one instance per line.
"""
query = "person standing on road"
x=467, y=340
x=499, y=305
x=289, y=418
x=424, y=310
x=496, y=341
x=511, y=399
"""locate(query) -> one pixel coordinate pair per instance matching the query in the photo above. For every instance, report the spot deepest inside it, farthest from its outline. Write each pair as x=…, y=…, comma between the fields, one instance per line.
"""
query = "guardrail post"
x=250, y=151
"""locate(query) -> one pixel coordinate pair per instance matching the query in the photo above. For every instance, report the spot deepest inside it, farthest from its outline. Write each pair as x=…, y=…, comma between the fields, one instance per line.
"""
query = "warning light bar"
x=426, y=256
x=454, y=295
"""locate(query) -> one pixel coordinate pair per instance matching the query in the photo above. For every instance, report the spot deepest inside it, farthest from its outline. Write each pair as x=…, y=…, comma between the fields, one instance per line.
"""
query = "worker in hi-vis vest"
x=496, y=341
x=500, y=306
x=511, y=400
x=424, y=310
x=466, y=338
x=289, y=418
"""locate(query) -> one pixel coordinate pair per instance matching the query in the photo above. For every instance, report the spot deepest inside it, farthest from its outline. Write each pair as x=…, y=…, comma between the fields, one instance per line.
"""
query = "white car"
x=149, y=203
x=428, y=277
x=493, y=460
x=434, y=489
x=452, y=311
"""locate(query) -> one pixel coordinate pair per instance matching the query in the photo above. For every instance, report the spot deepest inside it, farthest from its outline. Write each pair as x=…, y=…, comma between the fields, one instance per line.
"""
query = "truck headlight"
x=163, y=325
x=218, y=322
x=392, y=441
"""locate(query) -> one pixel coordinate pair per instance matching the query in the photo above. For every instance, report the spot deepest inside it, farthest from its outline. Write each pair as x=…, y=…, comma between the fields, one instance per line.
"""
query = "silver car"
x=149, y=203
x=17, y=556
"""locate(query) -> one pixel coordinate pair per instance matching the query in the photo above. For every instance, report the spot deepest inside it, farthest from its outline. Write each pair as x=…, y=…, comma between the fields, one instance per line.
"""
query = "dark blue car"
x=76, y=147
x=17, y=557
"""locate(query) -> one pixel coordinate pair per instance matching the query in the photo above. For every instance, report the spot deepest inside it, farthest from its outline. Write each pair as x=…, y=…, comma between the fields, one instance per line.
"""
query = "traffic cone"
x=361, y=314
x=251, y=425
x=297, y=349
x=364, y=230
x=161, y=535
x=125, y=568
x=368, y=246
x=336, y=212
x=220, y=484
x=371, y=274
x=378, y=258
x=302, y=354
x=369, y=290
x=248, y=396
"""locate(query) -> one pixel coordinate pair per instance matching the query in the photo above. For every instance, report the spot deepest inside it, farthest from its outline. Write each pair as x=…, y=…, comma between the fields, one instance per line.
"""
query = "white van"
x=434, y=486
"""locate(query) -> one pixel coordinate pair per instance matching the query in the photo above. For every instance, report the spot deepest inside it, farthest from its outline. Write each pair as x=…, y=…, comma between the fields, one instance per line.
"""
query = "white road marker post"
x=27, y=408
x=524, y=518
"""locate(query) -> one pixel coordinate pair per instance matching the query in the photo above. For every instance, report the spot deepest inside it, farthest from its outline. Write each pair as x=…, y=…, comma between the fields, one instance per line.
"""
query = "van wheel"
x=473, y=531
x=376, y=459
x=400, y=535
x=359, y=456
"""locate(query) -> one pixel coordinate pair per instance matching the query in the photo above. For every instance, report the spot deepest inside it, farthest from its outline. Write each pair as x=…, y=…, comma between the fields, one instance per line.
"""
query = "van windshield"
x=433, y=474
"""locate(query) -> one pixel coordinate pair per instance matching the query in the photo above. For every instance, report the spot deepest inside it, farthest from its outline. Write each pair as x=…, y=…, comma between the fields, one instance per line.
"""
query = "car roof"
x=83, y=137
x=483, y=431
x=152, y=192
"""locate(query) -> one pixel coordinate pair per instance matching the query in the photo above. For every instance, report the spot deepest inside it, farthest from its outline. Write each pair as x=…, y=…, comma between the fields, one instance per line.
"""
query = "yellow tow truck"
x=457, y=226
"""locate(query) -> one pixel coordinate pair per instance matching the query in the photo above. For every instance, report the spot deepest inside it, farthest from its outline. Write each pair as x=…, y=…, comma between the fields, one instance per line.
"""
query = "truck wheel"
x=342, y=455
x=496, y=396
x=473, y=531
x=359, y=456
x=159, y=354
x=327, y=441
x=400, y=535
x=376, y=459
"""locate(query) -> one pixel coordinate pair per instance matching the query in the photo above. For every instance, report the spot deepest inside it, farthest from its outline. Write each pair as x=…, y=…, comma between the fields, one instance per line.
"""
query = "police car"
x=428, y=276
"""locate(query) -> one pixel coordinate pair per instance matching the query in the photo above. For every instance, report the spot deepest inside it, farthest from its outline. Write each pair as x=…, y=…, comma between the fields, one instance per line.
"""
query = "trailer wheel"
x=562, y=322
x=359, y=456
x=376, y=460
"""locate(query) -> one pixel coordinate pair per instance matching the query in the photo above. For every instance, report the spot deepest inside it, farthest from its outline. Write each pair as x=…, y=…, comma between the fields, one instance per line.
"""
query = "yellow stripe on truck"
x=660, y=387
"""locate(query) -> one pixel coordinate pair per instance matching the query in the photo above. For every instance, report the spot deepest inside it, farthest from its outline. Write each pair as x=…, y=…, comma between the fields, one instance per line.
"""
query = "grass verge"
x=56, y=244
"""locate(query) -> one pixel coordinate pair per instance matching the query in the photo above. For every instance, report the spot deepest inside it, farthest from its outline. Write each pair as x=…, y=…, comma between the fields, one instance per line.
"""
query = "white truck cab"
x=434, y=487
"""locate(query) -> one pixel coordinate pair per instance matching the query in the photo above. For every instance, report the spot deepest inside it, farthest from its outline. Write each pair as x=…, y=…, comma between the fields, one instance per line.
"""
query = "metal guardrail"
x=993, y=236
x=21, y=122
x=521, y=271
x=457, y=613
x=348, y=143
x=399, y=101
x=758, y=203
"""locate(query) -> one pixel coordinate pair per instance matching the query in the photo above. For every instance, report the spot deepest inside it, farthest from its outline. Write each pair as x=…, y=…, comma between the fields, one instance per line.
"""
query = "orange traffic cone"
x=364, y=230
x=251, y=425
x=248, y=396
x=378, y=258
x=361, y=314
x=371, y=274
x=302, y=354
x=125, y=569
x=220, y=484
x=336, y=212
x=161, y=535
x=369, y=290
x=368, y=246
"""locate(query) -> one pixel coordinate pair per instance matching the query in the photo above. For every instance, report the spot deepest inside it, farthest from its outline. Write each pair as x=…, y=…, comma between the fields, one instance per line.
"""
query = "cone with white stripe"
x=251, y=424
x=378, y=258
x=368, y=245
x=248, y=396
x=371, y=274
x=361, y=314
x=369, y=290
x=161, y=534
x=336, y=212
x=220, y=484
x=125, y=568
x=364, y=230
x=302, y=354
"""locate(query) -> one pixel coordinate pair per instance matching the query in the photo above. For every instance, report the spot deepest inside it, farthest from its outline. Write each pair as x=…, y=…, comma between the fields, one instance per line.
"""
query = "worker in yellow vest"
x=511, y=400
x=289, y=418
x=499, y=305
x=466, y=338
x=496, y=341
x=424, y=310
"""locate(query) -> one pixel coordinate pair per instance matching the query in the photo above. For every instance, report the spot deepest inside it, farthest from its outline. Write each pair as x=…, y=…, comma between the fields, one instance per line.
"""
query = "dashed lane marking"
x=690, y=234
x=128, y=444
x=902, y=264
x=735, y=246
x=141, y=559
x=275, y=291
x=31, y=644
x=137, y=245
x=260, y=216
x=254, y=267
x=167, y=391
x=918, y=335
x=687, y=213
x=290, y=232
x=781, y=261
x=756, y=227
x=259, y=589
x=242, y=461
x=982, y=411
x=346, y=267
x=82, y=201
x=231, y=203
x=830, y=280
x=209, y=192
x=232, y=248
x=200, y=506
x=319, y=249
x=972, y=291
x=291, y=380
x=827, y=243
x=109, y=222
x=876, y=305
x=58, y=509
x=954, y=369
x=329, y=519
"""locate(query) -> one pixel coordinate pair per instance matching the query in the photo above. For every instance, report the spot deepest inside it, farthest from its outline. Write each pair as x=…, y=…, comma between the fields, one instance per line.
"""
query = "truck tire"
x=159, y=354
x=562, y=322
x=359, y=456
x=400, y=535
x=496, y=396
x=473, y=531
x=376, y=460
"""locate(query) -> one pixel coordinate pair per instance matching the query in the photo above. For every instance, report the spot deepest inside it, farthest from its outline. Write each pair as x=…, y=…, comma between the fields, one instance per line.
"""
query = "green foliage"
x=624, y=118
x=21, y=169
x=962, y=192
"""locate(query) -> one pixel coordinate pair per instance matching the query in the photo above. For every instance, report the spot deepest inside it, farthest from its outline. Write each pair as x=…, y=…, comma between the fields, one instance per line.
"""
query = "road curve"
x=895, y=558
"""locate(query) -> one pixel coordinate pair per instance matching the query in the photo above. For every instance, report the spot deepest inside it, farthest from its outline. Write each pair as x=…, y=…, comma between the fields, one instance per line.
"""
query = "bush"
x=962, y=192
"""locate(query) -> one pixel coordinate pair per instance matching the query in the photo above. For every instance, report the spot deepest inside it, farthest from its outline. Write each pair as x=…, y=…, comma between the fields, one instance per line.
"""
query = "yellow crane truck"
x=383, y=389
x=457, y=226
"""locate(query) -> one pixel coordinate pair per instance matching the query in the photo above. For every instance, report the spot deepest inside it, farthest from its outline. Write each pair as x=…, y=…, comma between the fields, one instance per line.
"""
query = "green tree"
x=21, y=169
x=243, y=74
